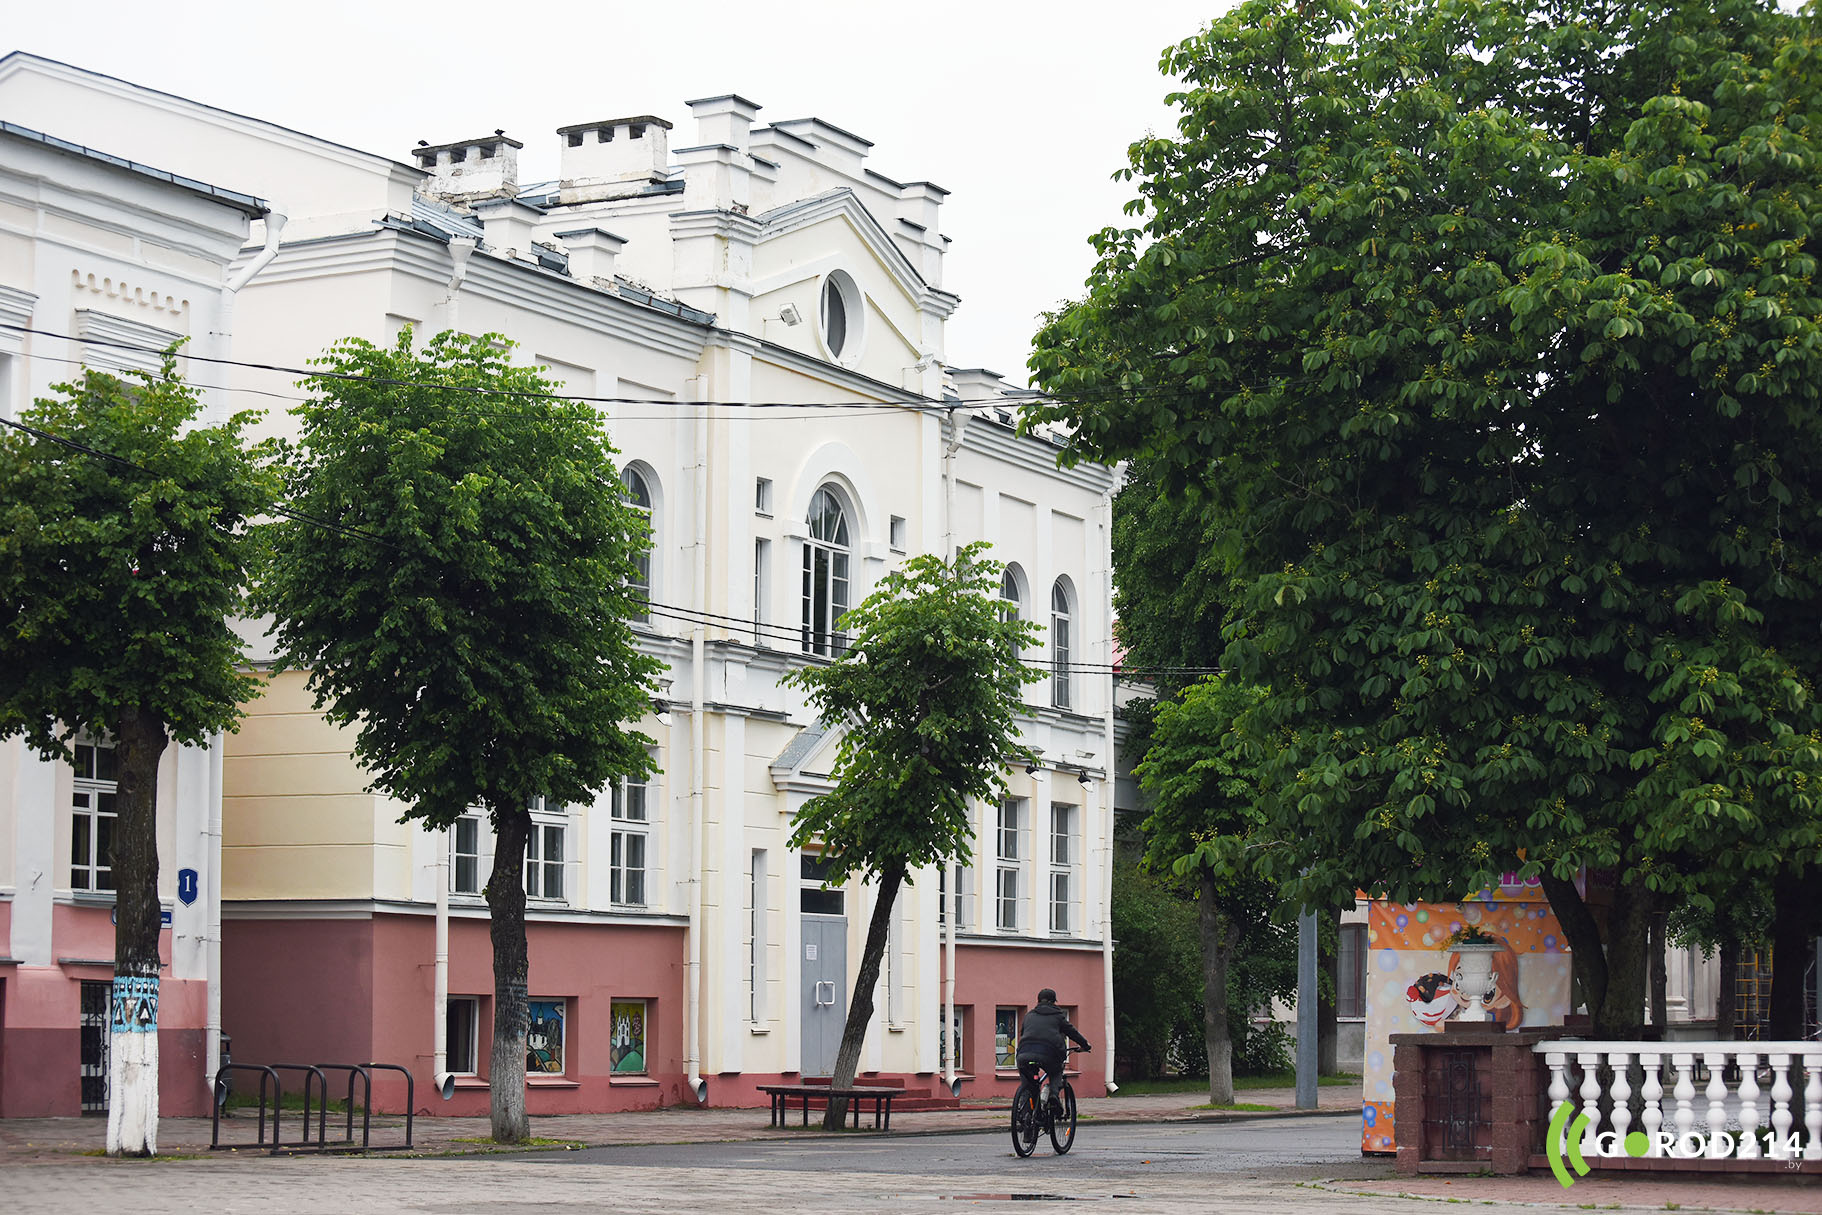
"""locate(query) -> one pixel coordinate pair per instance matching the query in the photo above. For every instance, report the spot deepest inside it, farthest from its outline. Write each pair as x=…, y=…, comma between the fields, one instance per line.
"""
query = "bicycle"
x=1031, y=1115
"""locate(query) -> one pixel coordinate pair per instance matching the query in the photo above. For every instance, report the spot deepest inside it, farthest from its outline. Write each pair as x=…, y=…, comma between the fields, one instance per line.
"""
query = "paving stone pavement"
x=739, y=1164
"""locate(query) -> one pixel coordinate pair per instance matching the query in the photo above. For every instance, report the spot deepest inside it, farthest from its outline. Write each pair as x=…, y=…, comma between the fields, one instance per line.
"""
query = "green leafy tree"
x=124, y=549
x=455, y=582
x=928, y=695
x=1205, y=826
x=1491, y=328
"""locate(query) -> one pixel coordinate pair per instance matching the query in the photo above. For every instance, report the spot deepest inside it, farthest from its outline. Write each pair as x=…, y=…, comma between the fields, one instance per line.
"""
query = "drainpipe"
x=698, y=1087
x=445, y=1083
x=1110, y=785
x=958, y=423
x=212, y=933
x=461, y=248
x=224, y=342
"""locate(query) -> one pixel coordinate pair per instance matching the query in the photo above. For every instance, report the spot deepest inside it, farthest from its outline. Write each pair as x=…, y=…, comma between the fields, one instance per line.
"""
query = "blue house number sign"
x=186, y=886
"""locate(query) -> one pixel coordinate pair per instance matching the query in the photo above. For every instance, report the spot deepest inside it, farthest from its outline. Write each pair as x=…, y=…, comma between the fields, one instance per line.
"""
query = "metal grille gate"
x=94, y=1029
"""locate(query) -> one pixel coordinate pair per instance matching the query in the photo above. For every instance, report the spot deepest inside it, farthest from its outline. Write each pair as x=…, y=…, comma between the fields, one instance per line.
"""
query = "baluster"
x=1812, y=1105
x=1780, y=1106
x=1653, y=1092
x=1684, y=1063
x=1749, y=1105
x=1590, y=1062
x=1621, y=1062
x=1717, y=1102
x=1558, y=1063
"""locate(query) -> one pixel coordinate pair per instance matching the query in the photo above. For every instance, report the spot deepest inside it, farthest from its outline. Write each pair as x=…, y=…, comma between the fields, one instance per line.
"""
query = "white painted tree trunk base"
x=132, y=1093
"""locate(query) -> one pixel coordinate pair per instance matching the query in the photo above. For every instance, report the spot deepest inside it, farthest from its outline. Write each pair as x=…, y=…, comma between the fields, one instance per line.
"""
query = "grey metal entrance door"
x=825, y=991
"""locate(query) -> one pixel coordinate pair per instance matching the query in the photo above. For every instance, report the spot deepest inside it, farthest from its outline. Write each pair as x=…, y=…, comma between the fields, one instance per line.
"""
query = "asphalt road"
x=1110, y=1153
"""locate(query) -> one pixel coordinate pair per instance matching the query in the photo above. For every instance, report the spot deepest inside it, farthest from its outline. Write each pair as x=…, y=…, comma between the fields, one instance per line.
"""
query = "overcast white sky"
x=1021, y=110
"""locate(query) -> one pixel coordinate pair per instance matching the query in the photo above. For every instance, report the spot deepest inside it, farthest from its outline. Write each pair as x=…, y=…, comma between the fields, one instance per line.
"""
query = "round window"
x=841, y=316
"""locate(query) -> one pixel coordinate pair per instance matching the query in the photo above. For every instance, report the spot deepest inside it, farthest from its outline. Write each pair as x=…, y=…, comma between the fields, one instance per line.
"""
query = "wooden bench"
x=881, y=1098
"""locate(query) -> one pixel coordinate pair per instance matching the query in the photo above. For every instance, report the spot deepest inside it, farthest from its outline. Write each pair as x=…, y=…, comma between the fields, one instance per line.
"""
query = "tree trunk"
x=1792, y=938
x=1612, y=972
x=1621, y=1016
x=1219, y=936
x=1328, y=1023
x=511, y=970
x=1727, y=983
x=139, y=742
x=1660, y=973
x=860, y=1007
x=1583, y=936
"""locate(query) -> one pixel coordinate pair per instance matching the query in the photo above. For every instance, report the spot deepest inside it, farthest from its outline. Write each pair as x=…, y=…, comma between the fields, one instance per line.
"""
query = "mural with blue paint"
x=135, y=1005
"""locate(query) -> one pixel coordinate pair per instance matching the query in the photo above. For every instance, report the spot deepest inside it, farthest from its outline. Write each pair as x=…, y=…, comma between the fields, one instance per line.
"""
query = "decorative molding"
x=16, y=308
x=116, y=343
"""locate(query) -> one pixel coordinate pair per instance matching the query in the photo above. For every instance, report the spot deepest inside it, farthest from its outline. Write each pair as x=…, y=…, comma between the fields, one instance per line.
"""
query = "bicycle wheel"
x=1062, y=1123
x=1024, y=1120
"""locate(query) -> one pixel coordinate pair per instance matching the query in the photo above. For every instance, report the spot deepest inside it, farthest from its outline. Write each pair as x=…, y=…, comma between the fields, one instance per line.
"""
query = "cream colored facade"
x=688, y=278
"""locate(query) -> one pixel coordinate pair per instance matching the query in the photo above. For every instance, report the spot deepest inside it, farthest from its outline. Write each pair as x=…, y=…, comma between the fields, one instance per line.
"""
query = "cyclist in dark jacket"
x=1041, y=1039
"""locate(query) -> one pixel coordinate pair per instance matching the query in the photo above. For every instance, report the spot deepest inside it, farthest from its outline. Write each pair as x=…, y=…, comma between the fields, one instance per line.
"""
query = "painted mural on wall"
x=627, y=1053
x=544, y=1037
x=1416, y=981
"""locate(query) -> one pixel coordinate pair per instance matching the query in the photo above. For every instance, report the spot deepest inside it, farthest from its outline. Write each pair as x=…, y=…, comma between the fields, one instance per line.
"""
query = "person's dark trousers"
x=1051, y=1062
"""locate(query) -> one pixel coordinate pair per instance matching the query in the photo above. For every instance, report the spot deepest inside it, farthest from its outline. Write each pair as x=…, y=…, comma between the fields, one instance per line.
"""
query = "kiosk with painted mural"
x=1500, y=952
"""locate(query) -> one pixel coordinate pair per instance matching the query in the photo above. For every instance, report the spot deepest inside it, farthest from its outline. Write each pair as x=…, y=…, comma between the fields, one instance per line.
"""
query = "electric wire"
x=1027, y=399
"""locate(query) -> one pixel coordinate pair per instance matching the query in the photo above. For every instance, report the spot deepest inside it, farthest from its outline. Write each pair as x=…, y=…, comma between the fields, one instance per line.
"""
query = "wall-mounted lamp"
x=1032, y=768
x=790, y=315
x=662, y=712
x=1083, y=779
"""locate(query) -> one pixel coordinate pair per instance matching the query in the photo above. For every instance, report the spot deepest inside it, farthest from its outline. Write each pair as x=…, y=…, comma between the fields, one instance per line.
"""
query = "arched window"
x=825, y=574
x=1012, y=605
x=1059, y=643
x=638, y=495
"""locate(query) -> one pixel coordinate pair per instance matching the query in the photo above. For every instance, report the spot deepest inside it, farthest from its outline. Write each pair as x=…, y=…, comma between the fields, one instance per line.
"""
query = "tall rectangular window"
x=756, y=938
x=762, y=587
x=628, y=1051
x=465, y=855
x=1006, y=1039
x=1006, y=851
x=544, y=854
x=1350, y=971
x=92, y=819
x=1062, y=866
x=545, y=1037
x=953, y=902
x=627, y=861
x=461, y=1025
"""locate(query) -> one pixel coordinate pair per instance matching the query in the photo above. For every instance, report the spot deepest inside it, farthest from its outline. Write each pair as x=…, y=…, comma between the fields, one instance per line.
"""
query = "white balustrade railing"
x=1729, y=1125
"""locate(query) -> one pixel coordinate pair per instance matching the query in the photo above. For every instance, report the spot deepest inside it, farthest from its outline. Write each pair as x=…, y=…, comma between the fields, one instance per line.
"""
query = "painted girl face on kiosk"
x=1432, y=999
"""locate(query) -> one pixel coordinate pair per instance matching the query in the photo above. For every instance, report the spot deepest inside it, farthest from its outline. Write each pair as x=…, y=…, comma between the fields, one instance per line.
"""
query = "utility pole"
x=1307, y=1058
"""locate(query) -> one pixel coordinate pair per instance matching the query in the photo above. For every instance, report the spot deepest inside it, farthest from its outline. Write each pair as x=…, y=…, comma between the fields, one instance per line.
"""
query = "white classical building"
x=119, y=259
x=760, y=315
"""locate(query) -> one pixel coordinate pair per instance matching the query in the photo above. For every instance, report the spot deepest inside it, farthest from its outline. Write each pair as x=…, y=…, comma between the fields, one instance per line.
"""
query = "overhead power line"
x=657, y=608
x=908, y=403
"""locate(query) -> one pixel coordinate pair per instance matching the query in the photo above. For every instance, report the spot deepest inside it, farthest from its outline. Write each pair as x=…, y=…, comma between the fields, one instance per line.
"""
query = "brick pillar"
x=1511, y=1123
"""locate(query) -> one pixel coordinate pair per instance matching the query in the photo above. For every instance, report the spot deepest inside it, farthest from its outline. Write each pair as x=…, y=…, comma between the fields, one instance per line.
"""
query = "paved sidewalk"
x=38, y=1140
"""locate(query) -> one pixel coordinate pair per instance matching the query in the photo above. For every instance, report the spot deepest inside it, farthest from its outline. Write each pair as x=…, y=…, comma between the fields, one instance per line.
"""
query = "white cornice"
x=20, y=63
x=1028, y=451
x=843, y=202
x=512, y=283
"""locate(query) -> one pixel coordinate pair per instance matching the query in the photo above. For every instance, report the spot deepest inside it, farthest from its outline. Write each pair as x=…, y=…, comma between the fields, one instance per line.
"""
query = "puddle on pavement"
x=1010, y=1197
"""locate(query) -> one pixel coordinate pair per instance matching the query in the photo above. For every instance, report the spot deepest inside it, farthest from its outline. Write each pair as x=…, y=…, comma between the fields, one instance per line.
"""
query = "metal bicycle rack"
x=221, y=1099
x=314, y=1081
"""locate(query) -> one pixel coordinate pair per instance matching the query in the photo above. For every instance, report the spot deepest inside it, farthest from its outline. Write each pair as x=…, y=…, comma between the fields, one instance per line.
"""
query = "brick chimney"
x=472, y=169
x=612, y=158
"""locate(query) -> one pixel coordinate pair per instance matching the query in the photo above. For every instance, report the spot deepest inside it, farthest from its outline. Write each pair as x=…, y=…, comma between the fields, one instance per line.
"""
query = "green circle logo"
x=1637, y=1144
